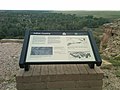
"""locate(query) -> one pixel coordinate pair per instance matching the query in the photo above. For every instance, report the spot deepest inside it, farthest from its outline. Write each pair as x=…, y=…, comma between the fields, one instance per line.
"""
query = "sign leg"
x=91, y=65
x=27, y=67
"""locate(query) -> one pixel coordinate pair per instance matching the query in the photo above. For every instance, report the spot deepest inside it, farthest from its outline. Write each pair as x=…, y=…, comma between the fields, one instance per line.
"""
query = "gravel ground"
x=110, y=81
x=9, y=57
x=9, y=54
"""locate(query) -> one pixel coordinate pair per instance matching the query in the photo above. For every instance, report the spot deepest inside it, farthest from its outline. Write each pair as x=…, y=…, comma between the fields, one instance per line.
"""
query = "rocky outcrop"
x=110, y=42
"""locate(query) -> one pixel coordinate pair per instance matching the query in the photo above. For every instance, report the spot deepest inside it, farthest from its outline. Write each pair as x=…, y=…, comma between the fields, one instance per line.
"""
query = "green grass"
x=116, y=64
x=105, y=14
x=117, y=73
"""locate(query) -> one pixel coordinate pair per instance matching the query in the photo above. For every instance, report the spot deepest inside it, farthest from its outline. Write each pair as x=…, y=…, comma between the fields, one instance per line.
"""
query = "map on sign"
x=44, y=48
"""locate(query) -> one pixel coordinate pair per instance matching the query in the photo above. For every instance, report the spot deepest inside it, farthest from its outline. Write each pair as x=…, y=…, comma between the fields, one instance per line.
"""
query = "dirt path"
x=9, y=57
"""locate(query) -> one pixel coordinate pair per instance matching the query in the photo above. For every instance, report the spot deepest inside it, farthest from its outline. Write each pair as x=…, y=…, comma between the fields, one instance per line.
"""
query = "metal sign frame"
x=26, y=65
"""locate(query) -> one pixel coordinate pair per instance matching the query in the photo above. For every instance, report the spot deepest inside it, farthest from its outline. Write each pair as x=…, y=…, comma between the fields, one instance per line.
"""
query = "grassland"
x=105, y=14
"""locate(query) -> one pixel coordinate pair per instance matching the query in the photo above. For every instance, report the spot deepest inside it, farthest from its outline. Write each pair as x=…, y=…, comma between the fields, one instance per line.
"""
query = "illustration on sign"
x=41, y=51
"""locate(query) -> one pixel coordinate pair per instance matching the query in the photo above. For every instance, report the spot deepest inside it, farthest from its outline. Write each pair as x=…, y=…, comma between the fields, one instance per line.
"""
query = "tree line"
x=14, y=23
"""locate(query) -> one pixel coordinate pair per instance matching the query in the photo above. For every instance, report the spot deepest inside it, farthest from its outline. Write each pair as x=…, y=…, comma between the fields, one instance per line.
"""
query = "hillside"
x=13, y=24
x=110, y=43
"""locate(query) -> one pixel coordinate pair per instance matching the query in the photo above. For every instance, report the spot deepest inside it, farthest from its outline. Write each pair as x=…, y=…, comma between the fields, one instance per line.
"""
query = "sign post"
x=59, y=47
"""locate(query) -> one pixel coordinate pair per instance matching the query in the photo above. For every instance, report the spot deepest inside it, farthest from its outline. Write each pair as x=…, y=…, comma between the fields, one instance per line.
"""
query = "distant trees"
x=13, y=24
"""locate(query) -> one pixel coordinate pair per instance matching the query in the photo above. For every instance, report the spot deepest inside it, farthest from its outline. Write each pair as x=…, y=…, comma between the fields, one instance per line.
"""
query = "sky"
x=63, y=5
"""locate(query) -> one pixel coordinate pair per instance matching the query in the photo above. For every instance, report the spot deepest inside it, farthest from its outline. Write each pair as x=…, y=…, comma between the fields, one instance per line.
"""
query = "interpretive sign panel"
x=59, y=47
x=55, y=48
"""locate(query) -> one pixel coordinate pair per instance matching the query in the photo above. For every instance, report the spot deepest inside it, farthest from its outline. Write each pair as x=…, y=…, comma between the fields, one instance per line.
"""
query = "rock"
x=106, y=65
x=110, y=42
